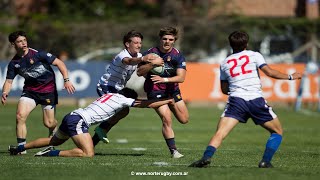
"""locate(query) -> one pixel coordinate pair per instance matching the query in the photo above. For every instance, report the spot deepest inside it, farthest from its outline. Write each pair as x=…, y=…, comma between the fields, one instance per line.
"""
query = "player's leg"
x=25, y=106
x=38, y=143
x=262, y=114
x=167, y=131
x=225, y=125
x=273, y=143
x=180, y=111
x=49, y=120
x=104, y=127
x=179, y=108
x=84, y=147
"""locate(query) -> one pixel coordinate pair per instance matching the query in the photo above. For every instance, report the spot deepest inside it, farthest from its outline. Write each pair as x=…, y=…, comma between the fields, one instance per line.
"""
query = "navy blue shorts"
x=176, y=95
x=73, y=124
x=42, y=98
x=257, y=109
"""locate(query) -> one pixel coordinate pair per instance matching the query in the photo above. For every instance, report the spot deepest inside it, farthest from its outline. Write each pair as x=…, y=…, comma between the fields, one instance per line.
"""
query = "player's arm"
x=224, y=85
x=5, y=90
x=179, y=78
x=149, y=58
x=152, y=103
x=144, y=68
x=64, y=71
x=279, y=75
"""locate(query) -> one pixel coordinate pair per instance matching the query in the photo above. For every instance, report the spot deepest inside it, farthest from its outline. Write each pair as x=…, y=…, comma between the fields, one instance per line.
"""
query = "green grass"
x=297, y=158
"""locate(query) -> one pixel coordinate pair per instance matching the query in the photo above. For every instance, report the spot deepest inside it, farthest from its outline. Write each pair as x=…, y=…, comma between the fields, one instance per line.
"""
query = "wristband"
x=66, y=79
x=166, y=79
x=142, y=58
x=290, y=77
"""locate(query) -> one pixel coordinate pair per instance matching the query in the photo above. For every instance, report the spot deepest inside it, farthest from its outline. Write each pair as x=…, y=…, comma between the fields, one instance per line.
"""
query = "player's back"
x=241, y=71
x=104, y=107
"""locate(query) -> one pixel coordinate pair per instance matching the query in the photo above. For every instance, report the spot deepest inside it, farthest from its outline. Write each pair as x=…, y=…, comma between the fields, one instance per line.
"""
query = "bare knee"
x=184, y=119
x=50, y=123
x=88, y=154
x=20, y=118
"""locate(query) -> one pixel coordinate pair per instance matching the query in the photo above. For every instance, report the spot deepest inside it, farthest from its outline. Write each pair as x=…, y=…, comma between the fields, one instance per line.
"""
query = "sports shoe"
x=201, y=163
x=13, y=150
x=23, y=152
x=45, y=151
x=264, y=164
x=102, y=135
x=176, y=154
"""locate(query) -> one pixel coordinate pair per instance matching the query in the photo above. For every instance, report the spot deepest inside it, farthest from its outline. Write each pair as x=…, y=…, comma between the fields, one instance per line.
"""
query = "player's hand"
x=154, y=59
x=157, y=79
x=4, y=98
x=69, y=87
x=296, y=75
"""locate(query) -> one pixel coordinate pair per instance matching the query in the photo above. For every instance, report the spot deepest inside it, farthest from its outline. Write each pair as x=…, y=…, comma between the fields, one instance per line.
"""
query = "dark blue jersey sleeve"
x=11, y=73
x=46, y=57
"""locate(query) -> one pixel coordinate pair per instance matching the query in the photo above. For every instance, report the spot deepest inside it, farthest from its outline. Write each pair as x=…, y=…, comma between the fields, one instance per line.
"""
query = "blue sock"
x=208, y=153
x=171, y=144
x=54, y=153
x=272, y=146
x=21, y=148
x=21, y=141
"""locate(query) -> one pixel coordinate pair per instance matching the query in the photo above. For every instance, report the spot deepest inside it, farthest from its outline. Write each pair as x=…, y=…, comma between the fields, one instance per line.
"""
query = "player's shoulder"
x=154, y=50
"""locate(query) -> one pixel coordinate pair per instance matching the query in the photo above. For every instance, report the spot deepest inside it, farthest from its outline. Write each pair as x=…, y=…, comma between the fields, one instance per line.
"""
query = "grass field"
x=137, y=146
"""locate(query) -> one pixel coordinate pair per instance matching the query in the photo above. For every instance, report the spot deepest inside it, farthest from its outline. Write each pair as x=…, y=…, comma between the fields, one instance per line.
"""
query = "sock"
x=208, y=153
x=21, y=148
x=54, y=153
x=272, y=146
x=95, y=139
x=105, y=125
x=21, y=141
x=171, y=145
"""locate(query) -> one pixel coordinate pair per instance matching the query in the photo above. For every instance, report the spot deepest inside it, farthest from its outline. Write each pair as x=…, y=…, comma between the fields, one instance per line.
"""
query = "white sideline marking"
x=122, y=141
x=160, y=163
x=139, y=149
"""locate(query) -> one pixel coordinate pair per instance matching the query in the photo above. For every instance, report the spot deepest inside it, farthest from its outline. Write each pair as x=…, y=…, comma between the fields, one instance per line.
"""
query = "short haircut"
x=131, y=34
x=169, y=31
x=14, y=35
x=129, y=93
x=238, y=41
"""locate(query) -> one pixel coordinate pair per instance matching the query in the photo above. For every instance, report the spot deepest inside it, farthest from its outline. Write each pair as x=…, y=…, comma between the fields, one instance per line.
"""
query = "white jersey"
x=104, y=108
x=241, y=71
x=118, y=73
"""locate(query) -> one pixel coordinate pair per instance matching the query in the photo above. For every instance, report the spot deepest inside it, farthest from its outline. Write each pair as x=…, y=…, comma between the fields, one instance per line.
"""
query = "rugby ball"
x=158, y=70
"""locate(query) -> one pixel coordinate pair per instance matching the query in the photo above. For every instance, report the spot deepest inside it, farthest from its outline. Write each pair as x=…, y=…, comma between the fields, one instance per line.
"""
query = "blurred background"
x=88, y=33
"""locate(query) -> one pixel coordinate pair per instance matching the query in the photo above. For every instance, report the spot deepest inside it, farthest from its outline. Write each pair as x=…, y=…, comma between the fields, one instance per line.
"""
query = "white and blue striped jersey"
x=118, y=73
x=104, y=108
x=241, y=71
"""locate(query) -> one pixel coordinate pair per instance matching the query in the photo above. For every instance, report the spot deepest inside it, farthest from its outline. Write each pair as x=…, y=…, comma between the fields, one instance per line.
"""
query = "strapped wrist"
x=290, y=77
x=66, y=79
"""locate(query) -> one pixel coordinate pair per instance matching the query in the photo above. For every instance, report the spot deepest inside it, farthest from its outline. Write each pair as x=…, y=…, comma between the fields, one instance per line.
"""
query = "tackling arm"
x=152, y=103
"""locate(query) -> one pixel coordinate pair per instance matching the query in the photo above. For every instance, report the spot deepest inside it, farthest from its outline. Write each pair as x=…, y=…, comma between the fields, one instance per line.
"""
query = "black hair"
x=238, y=41
x=131, y=34
x=14, y=35
x=129, y=93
